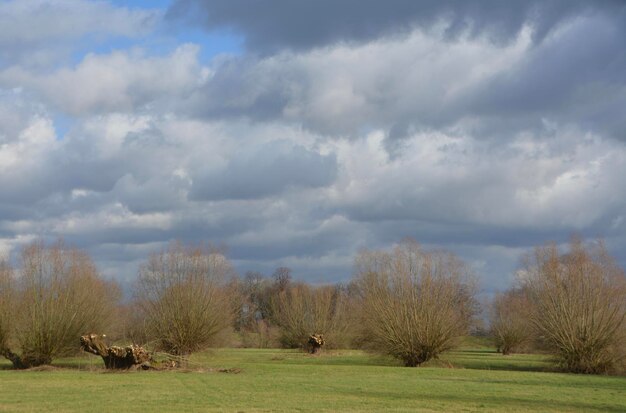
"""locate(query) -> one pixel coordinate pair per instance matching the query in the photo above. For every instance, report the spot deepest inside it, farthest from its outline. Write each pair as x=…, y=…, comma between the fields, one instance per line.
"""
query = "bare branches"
x=414, y=303
x=510, y=321
x=59, y=296
x=579, y=305
x=301, y=310
x=184, y=296
x=7, y=305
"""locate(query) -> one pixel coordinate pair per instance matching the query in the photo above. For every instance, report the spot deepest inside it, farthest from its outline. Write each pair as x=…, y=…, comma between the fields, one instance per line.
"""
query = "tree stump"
x=316, y=341
x=25, y=361
x=122, y=358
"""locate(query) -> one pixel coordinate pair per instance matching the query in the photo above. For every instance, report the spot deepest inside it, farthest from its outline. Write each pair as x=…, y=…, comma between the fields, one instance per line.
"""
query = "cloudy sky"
x=298, y=132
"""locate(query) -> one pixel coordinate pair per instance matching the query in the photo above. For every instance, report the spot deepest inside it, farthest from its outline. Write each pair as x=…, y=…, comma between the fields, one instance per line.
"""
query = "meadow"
x=471, y=379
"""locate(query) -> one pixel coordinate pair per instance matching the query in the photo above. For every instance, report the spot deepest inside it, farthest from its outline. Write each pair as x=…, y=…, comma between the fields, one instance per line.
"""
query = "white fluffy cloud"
x=301, y=157
x=569, y=180
x=38, y=33
x=117, y=82
x=344, y=89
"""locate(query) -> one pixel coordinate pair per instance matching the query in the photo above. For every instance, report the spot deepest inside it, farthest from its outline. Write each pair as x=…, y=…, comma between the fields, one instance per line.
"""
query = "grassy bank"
x=471, y=379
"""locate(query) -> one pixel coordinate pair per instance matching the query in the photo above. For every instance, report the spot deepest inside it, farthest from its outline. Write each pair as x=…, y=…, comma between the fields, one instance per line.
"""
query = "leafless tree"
x=579, y=305
x=301, y=310
x=510, y=321
x=132, y=326
x=61, y=296
x=414, y=303
x=184, y=294
x=282, y=278
x=7, y=305
x=253, y=320
x=255, y=293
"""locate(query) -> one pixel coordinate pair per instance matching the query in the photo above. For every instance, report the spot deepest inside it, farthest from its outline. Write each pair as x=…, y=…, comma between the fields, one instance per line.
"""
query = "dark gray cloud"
x=297, y=25
x=267, y=170
x=577, y=75
x=480, y=127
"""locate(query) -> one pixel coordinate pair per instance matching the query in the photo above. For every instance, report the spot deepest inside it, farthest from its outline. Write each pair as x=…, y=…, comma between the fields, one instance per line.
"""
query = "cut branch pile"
x=115, y=357
x=316, y=341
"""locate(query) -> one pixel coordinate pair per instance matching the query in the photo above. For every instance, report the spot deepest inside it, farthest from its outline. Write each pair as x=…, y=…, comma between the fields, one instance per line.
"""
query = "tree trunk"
x=24, y=361
x=115, y=357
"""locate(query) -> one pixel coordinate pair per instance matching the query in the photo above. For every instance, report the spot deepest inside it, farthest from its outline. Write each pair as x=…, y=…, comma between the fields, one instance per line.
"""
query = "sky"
x=297, y=133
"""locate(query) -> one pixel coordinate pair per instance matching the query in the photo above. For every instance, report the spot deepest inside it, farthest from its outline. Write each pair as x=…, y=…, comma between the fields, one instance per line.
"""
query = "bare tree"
x=414, y=303
x=282, y=278
x=132, y=325
x=254, y=292
x=510, y=321
x=253, y=321
x=184, y=295
x=61, y=295
x=301, y=310
x=7, y=305
x=579, y=305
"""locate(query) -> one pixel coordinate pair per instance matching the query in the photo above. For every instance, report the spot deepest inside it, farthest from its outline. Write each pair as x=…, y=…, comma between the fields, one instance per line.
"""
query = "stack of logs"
x=316, y=341
x=116, y=357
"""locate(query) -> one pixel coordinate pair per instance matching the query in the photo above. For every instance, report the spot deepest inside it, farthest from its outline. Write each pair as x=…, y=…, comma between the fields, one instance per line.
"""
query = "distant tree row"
x=406, y=302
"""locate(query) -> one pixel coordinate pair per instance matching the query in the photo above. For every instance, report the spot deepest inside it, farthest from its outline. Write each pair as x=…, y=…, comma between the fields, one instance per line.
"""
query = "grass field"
x=468, y=380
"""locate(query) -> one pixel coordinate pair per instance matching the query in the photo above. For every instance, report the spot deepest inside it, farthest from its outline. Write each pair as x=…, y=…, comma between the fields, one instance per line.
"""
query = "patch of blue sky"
x=162, y=43
x=62, y=125
x=163, y=40
x=211, y=43
x=143, y=4
x=169, y=35
x=97, y=44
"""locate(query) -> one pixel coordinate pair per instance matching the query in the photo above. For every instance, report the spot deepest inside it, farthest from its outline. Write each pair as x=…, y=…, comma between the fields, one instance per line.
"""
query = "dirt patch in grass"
x=234, y=370
x=46, y=368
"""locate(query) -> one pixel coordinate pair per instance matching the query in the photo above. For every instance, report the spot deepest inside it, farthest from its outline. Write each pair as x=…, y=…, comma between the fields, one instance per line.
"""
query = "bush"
x=414, y=304
x=184, y=295
x=60, y=297
x=7, y=305
x=259, y=334
x=579, y=305
x=510, y=321
x=301, y=310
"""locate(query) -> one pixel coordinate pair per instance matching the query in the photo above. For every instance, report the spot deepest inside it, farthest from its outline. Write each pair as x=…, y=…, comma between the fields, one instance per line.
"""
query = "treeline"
x=406, y=302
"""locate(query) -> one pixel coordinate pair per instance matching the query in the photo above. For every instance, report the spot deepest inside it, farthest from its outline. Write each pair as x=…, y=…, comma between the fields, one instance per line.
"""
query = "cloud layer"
x=479, y=128
x=301, y=26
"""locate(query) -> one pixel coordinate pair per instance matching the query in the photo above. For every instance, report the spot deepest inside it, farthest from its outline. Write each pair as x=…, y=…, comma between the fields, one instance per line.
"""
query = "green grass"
x=471, y=379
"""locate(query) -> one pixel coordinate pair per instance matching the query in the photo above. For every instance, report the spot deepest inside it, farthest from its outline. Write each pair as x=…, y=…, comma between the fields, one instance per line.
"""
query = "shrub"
x=510, y=321
x=301, y=310
x=60, y=297
x=579, y=305
x=414, y=304
x=7, y=305
x=183, y=293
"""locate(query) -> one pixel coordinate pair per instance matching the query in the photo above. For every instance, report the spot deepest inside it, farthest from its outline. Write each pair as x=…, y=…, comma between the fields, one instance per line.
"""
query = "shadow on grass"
x=67, y=363
x=496, y=401
x=474, y=359
x=491, y=360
